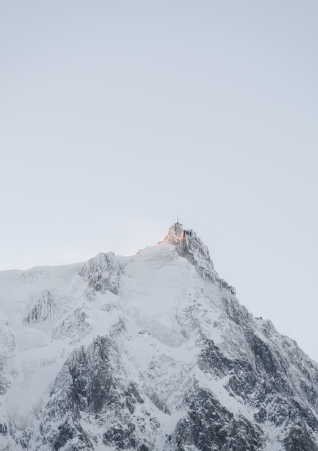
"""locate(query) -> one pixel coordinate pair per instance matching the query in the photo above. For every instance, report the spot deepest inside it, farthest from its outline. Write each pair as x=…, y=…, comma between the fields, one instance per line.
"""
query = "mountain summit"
x=151, y=352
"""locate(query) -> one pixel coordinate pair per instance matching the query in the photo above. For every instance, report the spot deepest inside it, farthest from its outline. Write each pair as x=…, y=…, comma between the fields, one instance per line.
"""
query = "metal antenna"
x=177, y=220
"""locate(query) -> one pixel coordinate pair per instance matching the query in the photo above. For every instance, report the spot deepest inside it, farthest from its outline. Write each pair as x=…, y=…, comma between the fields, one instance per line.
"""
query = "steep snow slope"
x=147, y=352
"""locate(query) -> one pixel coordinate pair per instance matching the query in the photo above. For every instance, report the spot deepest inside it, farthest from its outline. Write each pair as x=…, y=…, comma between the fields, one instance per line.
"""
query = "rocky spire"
x=175, y=232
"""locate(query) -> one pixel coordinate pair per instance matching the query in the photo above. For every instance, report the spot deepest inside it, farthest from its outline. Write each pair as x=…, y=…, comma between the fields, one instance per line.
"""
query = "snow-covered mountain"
x=147, y=352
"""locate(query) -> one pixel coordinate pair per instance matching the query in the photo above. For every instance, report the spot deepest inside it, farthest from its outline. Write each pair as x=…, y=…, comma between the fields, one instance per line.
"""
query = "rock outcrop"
x=102, y=272
x=41, y=306
x=190, y=246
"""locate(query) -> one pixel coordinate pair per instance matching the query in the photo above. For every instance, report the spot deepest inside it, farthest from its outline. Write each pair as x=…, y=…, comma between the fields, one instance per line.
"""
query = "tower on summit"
x=177, y=222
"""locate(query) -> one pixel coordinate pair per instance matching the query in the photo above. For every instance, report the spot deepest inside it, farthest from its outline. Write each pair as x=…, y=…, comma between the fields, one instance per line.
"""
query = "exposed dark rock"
x=70, y=430
x=42, y=306
x=91, y=383
x=3, y=429
x=121, y=436
x=25, y=438
x=190, y=246
x=209, y=426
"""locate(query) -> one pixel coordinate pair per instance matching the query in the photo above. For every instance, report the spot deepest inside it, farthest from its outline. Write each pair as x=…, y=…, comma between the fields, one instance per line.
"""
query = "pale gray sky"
x=116, y=116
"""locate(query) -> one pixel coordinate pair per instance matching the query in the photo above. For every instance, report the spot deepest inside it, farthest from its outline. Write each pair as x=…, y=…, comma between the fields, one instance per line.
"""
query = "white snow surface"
x=166, y=307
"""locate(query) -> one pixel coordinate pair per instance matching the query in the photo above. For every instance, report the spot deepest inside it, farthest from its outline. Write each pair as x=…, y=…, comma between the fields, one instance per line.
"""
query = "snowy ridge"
x=147, y=352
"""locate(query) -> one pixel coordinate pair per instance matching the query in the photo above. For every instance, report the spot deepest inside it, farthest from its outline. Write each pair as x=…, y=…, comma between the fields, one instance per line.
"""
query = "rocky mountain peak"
x=191, y=247
x=175, y=233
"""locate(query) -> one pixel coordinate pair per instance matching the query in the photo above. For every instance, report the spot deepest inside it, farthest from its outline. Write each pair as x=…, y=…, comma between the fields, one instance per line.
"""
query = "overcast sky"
x=117, y=115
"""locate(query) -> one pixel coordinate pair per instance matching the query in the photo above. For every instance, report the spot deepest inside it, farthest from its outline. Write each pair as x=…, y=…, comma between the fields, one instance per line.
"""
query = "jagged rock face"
x=192, y=248
x=41, y=307
x=93, y=383
x=210, y=426
x=189, y=245
x=102, y=272
x=74, y=326
x=160, y=356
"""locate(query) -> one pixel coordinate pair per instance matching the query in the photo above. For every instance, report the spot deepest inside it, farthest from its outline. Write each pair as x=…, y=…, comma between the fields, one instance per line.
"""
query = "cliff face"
x=148, y=352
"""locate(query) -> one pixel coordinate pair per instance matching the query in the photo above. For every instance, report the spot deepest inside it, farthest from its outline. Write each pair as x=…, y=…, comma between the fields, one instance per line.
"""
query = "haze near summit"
x=115, y=116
